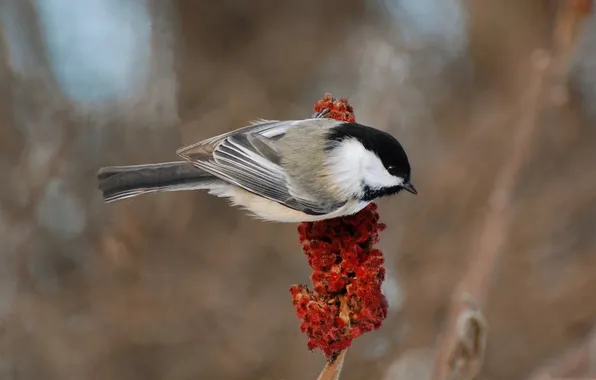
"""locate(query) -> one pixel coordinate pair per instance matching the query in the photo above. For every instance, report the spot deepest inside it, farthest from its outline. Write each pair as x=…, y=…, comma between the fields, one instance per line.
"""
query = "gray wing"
x=248, y=158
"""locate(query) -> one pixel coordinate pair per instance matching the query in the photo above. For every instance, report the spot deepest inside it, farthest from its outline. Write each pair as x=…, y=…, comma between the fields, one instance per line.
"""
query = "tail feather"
x=120, y=182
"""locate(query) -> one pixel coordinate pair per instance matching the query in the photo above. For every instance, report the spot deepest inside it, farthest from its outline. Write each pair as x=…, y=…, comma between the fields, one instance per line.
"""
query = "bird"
x=279, y=170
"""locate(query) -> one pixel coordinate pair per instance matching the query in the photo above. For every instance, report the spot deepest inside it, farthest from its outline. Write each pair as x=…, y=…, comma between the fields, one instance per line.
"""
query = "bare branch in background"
x=487, y=249
x=468, y=356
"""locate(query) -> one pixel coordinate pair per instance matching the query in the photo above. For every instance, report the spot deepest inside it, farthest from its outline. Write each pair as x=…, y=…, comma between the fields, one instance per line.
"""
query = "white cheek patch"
x=375, y=175
x=352, y=166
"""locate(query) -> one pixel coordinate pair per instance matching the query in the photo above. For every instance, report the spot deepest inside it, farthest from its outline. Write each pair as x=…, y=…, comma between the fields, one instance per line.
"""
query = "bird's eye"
x=392, y=170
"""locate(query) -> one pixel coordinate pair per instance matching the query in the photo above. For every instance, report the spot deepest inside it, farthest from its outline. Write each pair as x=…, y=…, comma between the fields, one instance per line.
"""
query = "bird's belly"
x=266, y=209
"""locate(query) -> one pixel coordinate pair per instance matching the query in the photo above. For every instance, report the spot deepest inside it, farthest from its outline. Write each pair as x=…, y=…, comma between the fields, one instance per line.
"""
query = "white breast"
x=265, y=209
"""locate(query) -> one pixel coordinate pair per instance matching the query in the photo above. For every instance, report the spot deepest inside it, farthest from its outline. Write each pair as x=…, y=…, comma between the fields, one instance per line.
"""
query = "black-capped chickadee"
x=284, y=171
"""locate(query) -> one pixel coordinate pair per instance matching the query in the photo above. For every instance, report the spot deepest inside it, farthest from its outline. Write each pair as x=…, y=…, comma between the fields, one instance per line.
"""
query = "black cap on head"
x=386, y=147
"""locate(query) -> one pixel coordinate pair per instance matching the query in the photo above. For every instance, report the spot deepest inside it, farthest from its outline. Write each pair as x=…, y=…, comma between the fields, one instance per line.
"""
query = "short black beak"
x=409, y=187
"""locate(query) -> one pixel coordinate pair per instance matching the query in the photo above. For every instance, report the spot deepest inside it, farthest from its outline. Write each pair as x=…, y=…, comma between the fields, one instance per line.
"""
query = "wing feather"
x=248, y=158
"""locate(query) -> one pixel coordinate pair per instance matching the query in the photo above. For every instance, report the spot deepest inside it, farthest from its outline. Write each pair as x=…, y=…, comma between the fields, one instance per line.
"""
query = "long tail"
x=120, y=182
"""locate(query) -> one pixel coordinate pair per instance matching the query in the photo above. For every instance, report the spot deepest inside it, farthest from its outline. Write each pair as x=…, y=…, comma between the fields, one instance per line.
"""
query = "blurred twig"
x=487, y=247
x=332, y=370
x=468, y=355
x=450, y=362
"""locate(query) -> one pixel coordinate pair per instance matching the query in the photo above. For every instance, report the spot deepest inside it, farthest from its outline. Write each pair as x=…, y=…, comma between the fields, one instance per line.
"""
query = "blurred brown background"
x=180, y=286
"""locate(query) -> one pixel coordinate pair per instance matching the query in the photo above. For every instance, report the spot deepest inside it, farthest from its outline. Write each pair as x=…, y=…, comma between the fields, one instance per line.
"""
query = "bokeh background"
x=180, y=286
